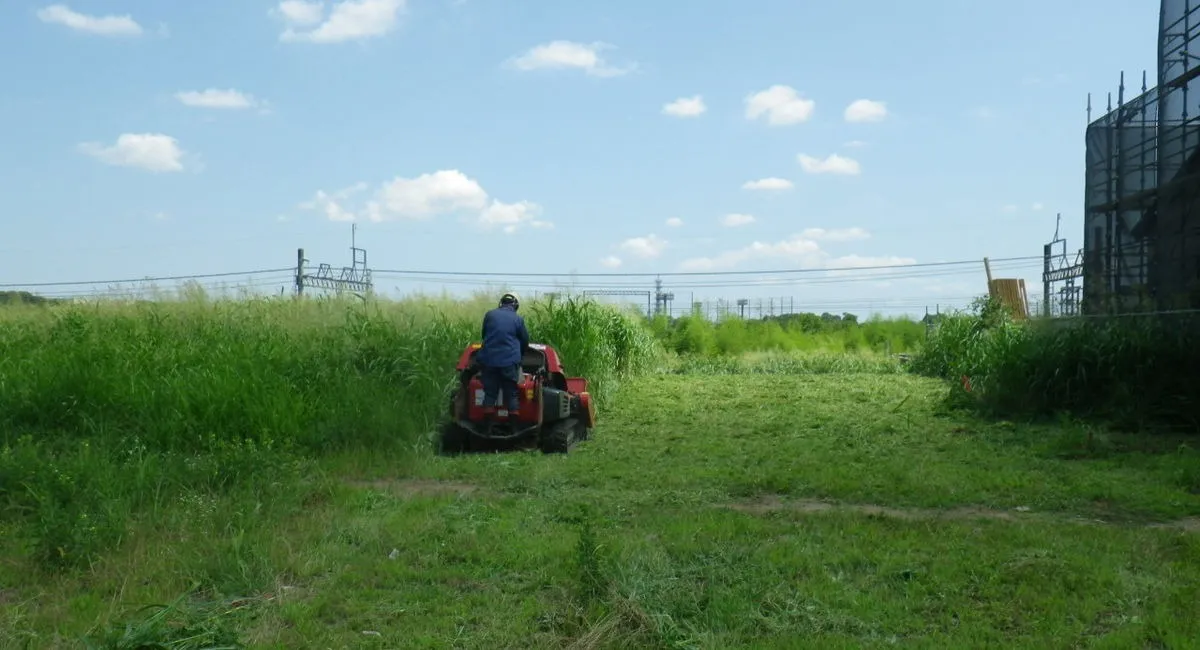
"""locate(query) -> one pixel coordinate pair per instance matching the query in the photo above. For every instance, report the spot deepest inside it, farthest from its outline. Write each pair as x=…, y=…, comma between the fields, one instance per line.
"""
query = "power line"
x=833, y=273
x=168, y=277
x=694, y=273
x=836, y=275
x=844, y=276
x=273, y=281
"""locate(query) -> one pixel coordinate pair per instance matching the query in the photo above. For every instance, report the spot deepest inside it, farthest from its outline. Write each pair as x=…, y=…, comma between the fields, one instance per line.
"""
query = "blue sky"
x=158, y=138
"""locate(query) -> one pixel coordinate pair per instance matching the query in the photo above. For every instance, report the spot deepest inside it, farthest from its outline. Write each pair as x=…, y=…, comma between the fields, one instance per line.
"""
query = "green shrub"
x=1131, y=370
x=731, y=335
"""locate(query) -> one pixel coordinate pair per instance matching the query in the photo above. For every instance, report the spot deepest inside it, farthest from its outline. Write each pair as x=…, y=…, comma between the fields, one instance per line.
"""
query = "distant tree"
x=24, y=298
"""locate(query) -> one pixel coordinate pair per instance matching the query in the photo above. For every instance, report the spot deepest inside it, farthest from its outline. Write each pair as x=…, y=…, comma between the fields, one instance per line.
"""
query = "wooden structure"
x=1009, y=291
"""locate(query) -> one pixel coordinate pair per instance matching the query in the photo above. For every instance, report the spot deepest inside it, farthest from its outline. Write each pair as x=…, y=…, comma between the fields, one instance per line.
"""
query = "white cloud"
x=301, y=13
x=612, y=261
x=348, y=20
x=768, y=184
x=837, y=234
x=1010, y=208
x=215, y=98
x=331, y=204
x=865, y=110
x=685, y=107
x=799, y=251
x=781, y=105
x=736, y=220
x=510, y=216
x=153, y=152
x=559, y=55
x=332, y=208
x=447, y=191
x=644, y=247
x=866, y=266
x=860, y=261
x=855, y=144
x=1037, y=206
x=674, y=222
x=422, y=197
x=111, y=25
x=834, y=164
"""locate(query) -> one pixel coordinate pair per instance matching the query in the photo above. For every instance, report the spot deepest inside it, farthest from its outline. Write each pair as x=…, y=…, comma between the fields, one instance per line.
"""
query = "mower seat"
x=532, y=361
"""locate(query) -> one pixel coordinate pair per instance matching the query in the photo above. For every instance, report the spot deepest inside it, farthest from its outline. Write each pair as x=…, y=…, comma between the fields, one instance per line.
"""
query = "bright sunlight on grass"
x=205, y=474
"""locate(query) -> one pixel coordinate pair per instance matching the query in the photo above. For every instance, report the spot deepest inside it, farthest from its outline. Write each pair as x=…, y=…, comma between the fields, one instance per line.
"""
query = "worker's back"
x=504, y=337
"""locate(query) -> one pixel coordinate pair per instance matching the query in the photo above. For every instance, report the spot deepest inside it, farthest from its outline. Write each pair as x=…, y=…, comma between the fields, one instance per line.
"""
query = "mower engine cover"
x=554, y=409
x=527, y=410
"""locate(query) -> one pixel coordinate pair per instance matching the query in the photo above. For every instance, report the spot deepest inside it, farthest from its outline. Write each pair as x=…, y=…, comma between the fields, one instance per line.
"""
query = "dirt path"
x=768, y=503
x=776, y=503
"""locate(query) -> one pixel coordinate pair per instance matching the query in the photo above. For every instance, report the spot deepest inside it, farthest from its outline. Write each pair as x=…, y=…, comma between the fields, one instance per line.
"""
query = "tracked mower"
x=555, y=411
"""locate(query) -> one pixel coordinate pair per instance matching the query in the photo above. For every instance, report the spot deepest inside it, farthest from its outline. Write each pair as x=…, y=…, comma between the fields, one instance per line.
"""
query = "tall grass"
x=784, y=363
x=1135, y=371
x=111, y=411
x=801, y=332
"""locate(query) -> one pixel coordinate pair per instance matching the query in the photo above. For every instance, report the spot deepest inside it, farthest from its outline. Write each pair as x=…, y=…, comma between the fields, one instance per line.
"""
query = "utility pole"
x=1046, y=252
x=300, y=272
x=661, y=299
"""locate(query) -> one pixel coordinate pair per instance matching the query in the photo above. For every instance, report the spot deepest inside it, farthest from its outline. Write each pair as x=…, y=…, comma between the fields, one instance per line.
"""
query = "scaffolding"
x=1142, y=183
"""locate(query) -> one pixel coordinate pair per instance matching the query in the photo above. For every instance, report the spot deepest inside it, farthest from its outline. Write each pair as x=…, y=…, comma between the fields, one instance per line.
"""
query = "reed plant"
x=1131, y=371
x=732, y=335
x=110, y=409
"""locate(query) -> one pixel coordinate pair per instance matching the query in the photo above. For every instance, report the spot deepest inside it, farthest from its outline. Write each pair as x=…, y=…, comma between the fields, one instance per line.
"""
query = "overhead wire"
x=834, y=276
x=147, y=279
x=702, y=273
x=787, y=306
x=285, y=280
x=701, y=279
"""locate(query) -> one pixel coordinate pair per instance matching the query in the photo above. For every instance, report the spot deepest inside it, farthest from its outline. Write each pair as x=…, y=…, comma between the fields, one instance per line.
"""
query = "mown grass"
x=263, y=472
x=782, y=363
x=716, y=511
x=1131, y=371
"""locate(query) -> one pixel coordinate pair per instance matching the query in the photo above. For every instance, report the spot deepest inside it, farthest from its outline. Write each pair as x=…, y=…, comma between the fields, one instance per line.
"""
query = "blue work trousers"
x=495, y=378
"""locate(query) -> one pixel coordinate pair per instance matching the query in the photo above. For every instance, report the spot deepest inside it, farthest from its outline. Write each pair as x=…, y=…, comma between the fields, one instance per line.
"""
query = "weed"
x=1132, y=371
x=732, y=335
x=758, y=483
x=109, y=410
x=168, y=627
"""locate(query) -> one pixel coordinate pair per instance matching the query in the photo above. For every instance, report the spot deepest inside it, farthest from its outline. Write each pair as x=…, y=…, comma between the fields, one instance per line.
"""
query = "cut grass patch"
x=709, y=511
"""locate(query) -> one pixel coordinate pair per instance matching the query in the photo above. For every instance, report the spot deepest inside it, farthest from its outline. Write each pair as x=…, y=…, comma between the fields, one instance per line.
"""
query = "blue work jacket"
x=504, y=338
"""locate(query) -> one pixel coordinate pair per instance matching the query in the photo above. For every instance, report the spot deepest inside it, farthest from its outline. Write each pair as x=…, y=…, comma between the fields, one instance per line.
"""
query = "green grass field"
x=780, y=498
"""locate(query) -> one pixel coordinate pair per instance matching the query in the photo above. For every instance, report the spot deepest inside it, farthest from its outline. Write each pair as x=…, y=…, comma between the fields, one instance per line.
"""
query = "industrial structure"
x=354, y=279
x=1141, y=236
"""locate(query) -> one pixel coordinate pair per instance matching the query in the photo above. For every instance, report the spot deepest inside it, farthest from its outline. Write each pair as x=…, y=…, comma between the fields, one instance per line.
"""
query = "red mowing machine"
x=555, y=411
